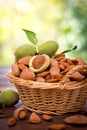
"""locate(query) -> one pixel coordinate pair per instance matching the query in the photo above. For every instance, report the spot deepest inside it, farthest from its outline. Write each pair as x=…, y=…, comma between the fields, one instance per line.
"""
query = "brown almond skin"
x=59, y=57
x=27, y=74
x=22, y=114
x=53, y=80
x=69, y=61
x=34, y=118
x=43, y=74
x=63, y=60
x=56, y=127
x=47, y=117
x=15, y=69
x=80, y=60
x=67, y=69
x=53, y=62
x=48, y=77
x=76, y=119
x=62, y=67
x=19, y=113
x=65, y=64
x=76, y=76
x=11, y=122
x=25, y=60
x=40, y=79
x=22, y=66
x=74, y=61
x=83, y=72
x=54, y=71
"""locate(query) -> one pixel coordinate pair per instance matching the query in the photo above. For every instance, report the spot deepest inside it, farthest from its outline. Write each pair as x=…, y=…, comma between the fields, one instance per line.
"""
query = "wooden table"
x=24, y=124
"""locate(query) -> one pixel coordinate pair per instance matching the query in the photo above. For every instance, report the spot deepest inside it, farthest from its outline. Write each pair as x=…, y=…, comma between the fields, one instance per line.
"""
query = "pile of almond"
x=34, y=118
x=59, y=66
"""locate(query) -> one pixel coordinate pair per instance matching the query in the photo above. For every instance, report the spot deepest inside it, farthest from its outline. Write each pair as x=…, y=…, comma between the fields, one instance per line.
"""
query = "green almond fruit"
x=49, y=47
x=25, y=50
x=9, y=97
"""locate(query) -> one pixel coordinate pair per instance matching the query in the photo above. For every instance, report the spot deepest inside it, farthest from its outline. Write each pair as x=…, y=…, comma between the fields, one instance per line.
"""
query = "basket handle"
x=76, y=68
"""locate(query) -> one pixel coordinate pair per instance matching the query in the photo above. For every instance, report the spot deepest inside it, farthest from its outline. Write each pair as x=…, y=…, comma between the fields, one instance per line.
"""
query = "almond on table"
x=76, y=119
x=34, y=118
x=20, y=113
x=11, y=122
x=47, y=117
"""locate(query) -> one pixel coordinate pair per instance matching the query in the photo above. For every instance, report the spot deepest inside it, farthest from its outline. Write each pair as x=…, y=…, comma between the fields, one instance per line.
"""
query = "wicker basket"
x=52, y=98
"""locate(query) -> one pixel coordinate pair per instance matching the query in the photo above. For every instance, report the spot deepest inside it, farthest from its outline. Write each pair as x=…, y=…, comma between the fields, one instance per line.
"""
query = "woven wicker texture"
x=52, y=98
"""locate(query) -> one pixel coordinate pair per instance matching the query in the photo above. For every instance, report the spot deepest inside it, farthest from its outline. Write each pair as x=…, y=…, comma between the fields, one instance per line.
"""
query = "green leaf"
x=31, y=36
x=74, y=48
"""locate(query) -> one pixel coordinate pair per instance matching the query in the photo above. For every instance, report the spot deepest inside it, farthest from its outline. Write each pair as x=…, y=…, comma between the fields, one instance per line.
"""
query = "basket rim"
x=59, y=85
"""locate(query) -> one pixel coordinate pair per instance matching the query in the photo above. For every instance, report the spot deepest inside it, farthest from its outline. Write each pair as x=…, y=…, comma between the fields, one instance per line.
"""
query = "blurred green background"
x=62, y=20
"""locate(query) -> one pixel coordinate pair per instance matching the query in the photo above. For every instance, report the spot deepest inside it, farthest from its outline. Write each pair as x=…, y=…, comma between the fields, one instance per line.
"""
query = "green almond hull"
x=25, y=50
x=49, y=48
x=9, y=97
